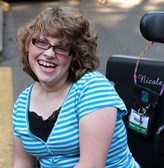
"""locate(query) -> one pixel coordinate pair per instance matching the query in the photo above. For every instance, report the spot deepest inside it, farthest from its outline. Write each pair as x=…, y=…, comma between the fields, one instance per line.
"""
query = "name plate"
x=137, y=123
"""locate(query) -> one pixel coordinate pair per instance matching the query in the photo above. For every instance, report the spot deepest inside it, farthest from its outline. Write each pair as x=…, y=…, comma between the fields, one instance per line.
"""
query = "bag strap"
x=136, y=68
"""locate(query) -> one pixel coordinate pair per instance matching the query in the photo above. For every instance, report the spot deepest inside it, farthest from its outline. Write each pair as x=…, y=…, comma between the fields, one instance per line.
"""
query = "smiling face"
x=50, y=68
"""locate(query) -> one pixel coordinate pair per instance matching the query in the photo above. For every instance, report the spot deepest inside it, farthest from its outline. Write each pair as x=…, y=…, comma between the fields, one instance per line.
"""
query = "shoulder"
x=93, y=78
x=95, y=91
x=93, y=83
x=93, y=75
x=25, y=93
x=23, y=98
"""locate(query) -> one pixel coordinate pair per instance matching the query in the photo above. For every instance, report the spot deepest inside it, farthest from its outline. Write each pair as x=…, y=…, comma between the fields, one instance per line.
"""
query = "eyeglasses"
x=45, y=45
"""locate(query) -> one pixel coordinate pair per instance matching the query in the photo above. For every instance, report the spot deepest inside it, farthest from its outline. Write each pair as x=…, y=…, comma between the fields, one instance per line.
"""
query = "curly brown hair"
x=68, y=24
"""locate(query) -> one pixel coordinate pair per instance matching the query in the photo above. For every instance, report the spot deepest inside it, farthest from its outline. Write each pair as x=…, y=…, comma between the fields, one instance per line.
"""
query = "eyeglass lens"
x=46, y=45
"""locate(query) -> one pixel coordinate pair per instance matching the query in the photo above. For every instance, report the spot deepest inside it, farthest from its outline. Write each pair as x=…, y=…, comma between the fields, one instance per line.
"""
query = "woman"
x=71, y=116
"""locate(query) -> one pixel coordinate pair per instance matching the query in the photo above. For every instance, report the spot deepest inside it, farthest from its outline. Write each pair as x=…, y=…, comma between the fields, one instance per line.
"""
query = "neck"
x=56, y=90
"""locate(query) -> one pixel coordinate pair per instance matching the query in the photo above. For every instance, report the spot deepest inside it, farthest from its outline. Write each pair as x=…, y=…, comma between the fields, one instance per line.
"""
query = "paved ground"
x=117, y=24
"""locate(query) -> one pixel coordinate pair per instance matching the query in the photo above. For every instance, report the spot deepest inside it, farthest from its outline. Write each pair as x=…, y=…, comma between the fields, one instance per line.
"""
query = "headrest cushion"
x=152, y=26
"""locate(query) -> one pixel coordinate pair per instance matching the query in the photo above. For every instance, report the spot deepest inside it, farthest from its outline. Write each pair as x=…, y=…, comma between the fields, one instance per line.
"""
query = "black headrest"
x=152, y=26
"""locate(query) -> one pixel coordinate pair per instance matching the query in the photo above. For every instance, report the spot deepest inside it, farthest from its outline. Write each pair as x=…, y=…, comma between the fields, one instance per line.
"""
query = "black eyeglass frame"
x=34, y=40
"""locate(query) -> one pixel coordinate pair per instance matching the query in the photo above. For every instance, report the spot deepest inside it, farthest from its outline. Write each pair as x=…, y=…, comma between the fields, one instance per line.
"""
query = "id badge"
x=138, y=123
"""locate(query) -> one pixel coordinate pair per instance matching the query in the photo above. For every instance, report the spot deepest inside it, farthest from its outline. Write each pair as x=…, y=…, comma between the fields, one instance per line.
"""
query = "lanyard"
x=136, y=68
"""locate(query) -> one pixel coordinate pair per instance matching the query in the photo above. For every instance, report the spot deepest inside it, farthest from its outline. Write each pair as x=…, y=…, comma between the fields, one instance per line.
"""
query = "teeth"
x=46, y=64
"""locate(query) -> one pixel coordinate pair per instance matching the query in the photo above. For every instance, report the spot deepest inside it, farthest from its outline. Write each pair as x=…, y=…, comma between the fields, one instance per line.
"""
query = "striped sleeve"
x=97, y=92
x=14, y=119
x=19, y=113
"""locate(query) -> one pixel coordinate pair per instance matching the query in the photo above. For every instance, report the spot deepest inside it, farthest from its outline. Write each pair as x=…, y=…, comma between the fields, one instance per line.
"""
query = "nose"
x=50, y=53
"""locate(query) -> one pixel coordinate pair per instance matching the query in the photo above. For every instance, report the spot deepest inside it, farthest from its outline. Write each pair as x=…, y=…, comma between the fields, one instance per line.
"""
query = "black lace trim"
x=42, y=128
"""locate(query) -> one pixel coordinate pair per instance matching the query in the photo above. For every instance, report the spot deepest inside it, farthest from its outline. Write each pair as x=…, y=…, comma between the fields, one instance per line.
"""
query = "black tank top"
x=42, y=128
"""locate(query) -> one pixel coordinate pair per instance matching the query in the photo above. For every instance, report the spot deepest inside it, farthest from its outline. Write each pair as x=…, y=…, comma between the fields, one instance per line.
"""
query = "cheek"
x=66, y=62
x=33, y=53
x=31, y=57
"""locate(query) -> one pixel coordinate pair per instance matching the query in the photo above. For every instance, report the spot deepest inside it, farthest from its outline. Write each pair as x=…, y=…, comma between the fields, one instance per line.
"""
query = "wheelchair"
x=148, y=152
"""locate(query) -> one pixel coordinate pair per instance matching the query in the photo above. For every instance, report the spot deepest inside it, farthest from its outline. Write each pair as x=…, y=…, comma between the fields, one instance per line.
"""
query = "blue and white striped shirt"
x=91, y=92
